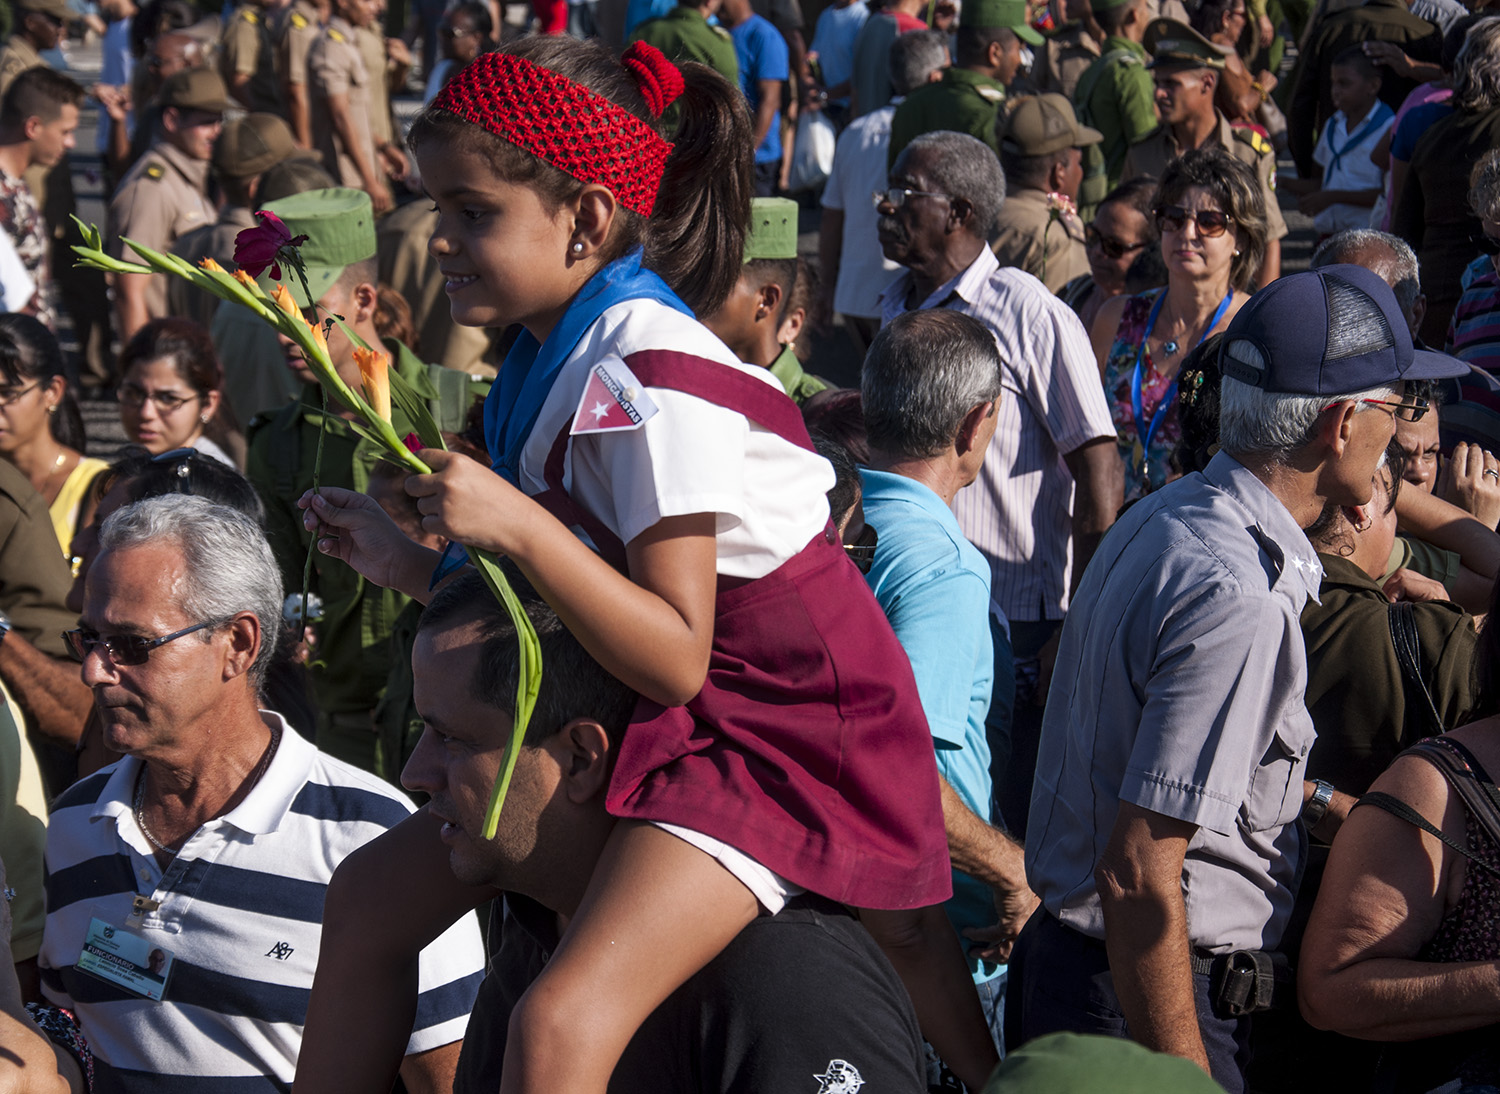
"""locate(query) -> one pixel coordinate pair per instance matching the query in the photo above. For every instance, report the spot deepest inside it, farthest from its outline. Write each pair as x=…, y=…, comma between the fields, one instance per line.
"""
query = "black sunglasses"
x=1211, y=222
x=862, y=551
x=124, y=649
x=1112, y=247
x=182, y=473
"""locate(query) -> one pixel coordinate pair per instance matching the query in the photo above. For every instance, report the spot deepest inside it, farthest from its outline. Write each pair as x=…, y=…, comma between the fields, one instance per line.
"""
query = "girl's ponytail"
x=695, y=238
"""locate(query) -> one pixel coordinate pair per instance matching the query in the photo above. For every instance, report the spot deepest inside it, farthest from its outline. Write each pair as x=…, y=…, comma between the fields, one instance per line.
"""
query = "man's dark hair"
x=1355, y=57
x=1029, y=172
x=38, y=92
x=574, y=685
x=1139, y=194
x=1112, y=20
x=972, y=44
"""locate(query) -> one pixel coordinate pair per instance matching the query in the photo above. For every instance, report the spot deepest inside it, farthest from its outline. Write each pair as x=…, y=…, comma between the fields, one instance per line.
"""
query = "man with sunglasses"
x=930, y=387
x=185, y=883
x=1163, y=838
x=41, y=27
x=1186, y=68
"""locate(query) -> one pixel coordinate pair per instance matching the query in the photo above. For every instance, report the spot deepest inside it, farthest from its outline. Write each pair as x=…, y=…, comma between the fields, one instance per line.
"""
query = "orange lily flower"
x=374, y=369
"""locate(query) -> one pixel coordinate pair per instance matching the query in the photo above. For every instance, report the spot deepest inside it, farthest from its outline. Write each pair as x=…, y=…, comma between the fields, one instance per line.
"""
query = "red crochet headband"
x=580, y=133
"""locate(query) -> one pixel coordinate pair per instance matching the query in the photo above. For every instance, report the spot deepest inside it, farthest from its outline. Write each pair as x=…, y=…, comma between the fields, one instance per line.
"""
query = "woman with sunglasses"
x=1212, y=221
x=169, y=389
x=1121, y=230
x=41, y=430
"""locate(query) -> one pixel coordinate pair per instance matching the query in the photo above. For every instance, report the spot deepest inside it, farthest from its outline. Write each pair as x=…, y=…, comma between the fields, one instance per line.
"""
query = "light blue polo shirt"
x=934, y=587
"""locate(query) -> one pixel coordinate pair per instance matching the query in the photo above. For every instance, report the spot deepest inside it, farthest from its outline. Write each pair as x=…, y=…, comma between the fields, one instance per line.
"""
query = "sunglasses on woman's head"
x=1211, y=222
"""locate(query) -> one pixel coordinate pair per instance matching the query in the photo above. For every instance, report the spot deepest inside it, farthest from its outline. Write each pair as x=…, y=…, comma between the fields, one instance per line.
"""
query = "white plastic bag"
x=812, y=152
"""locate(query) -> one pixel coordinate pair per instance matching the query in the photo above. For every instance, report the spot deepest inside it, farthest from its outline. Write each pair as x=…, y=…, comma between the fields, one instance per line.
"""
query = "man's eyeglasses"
x=455, y=33
x=12, y=396
x=124, y=649
x=896, y=196
x=1112, y=247
x=862, y=551
x=135, y=396
x=1408, y=410
x=1211, y=222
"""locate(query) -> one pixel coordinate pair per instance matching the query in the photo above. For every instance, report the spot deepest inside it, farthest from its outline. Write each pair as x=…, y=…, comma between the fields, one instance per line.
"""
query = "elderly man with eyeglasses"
x=185, y=883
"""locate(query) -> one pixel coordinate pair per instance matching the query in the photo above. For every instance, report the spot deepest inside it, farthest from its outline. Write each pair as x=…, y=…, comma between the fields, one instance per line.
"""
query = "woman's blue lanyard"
x=1143, y=432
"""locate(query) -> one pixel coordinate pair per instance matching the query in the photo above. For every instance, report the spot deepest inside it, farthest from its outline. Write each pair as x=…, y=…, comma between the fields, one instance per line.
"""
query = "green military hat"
x=1178, y=45
x=58, y=9
x=773, y=229
x=1076, y=1063
x=1039, y=125
x=1010, y=14
x=195, y=89
x=340, y=228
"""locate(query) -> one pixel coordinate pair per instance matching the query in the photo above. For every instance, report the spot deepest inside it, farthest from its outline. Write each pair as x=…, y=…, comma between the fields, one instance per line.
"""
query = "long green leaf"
x=415, y=408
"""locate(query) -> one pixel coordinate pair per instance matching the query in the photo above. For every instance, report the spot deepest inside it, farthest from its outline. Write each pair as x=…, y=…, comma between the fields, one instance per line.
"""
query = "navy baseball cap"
x=1328, y=332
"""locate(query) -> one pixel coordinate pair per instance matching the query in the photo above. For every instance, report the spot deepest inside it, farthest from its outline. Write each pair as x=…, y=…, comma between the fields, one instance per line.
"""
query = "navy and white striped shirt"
x=1019, y=511
x=241, y=909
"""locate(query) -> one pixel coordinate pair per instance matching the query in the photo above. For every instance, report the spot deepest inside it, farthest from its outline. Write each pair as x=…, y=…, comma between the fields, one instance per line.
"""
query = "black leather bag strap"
x=1402, y=619
x=1465, y=774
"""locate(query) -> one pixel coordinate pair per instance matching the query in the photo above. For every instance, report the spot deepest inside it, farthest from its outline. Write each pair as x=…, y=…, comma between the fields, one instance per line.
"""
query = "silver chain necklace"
x=140, y=795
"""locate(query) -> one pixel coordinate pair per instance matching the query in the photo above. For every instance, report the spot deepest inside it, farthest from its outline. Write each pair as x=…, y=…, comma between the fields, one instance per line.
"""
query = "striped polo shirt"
x=240, y=910
x=1019, y=511
x=1474, y=332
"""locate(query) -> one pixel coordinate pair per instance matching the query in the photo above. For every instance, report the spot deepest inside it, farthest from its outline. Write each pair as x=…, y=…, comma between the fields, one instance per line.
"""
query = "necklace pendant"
x=1169, y=349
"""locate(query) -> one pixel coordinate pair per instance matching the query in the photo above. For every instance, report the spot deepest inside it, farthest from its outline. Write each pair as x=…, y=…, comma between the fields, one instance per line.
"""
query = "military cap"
x=58, y=9
x=773, y=229
x=339, y=224
x=195, y=89
x=1077, y=1063
x=1177, y=44
x=252, y=144
x=1039, y=125
x=1010, y=14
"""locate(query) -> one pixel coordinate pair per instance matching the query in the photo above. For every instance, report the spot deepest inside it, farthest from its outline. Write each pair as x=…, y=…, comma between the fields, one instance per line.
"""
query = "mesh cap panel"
x=1356, y=323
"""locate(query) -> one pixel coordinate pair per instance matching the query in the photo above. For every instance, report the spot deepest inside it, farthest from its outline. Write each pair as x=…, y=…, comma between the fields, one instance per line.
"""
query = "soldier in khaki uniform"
x=40, y=28
x=968, y=97
x=351, y=655
x=247, y=59
x=1041, y=150
x=1069, y=50
x=341, y=103
x=388, y=63
x=299, y=30
x=165, y=194
x=683, y=34
x=1185, y=68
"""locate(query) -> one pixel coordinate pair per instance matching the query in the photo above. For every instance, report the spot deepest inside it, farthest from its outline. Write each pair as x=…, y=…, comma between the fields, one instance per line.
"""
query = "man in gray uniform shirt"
x=1162, y=838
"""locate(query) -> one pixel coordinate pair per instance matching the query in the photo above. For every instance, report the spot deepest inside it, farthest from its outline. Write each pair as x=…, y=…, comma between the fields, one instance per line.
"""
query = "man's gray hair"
x=924, y=372
x=915, y=55
x=1256, y=422
x=1402, y=273
x=229, y=565
x=962, y=167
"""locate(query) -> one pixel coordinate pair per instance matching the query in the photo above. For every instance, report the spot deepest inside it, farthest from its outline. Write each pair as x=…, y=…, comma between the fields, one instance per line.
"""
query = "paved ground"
x=835, y=355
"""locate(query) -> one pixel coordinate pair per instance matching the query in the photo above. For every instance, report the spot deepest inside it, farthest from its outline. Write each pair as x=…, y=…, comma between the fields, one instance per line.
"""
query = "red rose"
x=259, y=248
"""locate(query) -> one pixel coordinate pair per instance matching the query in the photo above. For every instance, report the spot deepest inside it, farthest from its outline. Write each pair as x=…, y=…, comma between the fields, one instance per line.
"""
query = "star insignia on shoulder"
x=249, y=16
x=154, y=171
x=336, y=35
x=299, y=20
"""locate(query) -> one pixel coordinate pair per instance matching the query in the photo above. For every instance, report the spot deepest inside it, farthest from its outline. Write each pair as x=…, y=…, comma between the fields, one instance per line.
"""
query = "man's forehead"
x=133, y=583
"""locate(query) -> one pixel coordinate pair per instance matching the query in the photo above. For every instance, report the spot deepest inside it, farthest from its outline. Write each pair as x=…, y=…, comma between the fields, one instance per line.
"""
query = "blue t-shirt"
x=833, y=41
x=934, y=587
x=762, y=54
x=638, y=11
x=1413, y=124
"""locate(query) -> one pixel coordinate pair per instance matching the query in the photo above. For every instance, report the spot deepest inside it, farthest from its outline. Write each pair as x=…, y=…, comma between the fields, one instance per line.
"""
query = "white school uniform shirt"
x=240, y=911
x=690, y=456
x=859, y=169
x=1353, y=171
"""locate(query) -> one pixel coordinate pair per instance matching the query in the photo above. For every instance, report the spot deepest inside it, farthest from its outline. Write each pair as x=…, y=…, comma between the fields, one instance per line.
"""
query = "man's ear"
x=767, y=301
x=171, y=119
x=960, y=212
x=586, y=755
x=363, y=300
x=244, y=644
x=968, y=429
x=31, y=127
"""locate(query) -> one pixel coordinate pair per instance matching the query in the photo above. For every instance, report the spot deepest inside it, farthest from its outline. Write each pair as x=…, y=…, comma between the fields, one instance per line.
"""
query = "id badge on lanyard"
x=121, y=957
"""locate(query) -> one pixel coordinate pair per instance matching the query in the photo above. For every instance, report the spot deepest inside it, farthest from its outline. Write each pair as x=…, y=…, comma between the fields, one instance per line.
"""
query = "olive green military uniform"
x=1064, y=57
x=256, y=379
x=1115, y=95
x=248, y=49
x=1355, y=692
x=351, y=658
x=1031, y=238
x=684, y=35
x=34, y=576
x=160, y=198
x=299, y=31
x=962, y=100
x=1151, y=156
x=336, y=67
x=796, y=382
x=15, y=58
x=405, y=265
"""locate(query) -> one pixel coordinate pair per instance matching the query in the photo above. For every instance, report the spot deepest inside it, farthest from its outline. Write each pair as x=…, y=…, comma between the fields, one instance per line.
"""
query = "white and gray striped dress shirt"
x=1019, y=511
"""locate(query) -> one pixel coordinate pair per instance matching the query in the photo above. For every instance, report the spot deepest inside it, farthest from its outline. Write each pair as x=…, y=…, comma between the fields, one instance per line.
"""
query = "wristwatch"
x=1317, y=805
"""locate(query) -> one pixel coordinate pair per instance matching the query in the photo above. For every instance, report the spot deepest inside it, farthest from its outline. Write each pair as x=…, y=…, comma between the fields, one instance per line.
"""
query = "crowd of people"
x=1095, y=692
